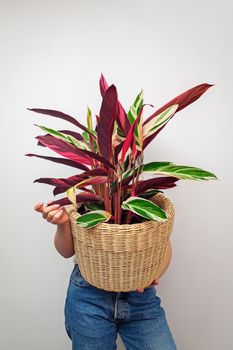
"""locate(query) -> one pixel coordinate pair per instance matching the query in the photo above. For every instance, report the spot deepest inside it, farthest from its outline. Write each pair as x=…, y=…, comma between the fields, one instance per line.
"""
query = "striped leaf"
x=132, y=115
x=158, y=121
x=183, y=100
x=61, y=115
x=132, y=171
x=88, y=139
x=94, y=206
x=71, y=152
x=65, y=137
x=135, y=108
x=93, y=218
x=130, y=141
x=65, y=149
x=155, y=165
x=58, y=160
x=179, y=171
x=144, y=208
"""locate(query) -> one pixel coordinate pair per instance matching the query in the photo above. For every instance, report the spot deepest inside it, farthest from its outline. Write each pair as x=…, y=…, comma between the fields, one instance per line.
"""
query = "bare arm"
x=63, y=239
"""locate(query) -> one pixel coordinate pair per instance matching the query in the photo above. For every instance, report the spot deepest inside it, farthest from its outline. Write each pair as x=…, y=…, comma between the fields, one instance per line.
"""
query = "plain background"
x=52, y=54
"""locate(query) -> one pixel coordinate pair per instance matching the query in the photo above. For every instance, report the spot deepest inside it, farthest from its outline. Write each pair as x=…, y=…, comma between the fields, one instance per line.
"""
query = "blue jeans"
x=93, y=317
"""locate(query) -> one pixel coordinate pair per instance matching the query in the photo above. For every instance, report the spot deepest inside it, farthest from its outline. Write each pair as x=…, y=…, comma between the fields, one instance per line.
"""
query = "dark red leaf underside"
x=81, y=197
x=105, y=127
x=58, y=114
x=156, y=183
x=64, y=161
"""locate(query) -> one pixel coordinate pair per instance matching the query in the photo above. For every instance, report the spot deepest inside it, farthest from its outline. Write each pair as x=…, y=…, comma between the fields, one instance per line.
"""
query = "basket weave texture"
x=123, y=257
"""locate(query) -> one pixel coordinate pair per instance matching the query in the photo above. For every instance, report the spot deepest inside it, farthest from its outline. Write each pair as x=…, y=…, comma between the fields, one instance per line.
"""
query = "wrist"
x=64, y=228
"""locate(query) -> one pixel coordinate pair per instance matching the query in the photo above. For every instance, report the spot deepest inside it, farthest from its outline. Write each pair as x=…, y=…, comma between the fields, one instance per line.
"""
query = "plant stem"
x=128, y=217
x=118, y=204
x=134, y=184
x=139, y=168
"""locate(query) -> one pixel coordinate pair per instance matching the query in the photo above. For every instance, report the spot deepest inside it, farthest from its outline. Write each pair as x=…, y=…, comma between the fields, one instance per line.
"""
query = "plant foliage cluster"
x=111, y=184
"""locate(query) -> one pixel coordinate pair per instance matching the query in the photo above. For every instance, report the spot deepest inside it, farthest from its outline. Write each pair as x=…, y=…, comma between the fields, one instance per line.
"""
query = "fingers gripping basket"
x=122, y=257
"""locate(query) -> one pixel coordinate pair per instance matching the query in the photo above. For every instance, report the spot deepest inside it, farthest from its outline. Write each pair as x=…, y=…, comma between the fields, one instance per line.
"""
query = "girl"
x=93, y=316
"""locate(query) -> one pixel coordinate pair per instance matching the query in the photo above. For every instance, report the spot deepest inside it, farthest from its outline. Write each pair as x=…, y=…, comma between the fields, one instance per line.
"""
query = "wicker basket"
x=123, y=257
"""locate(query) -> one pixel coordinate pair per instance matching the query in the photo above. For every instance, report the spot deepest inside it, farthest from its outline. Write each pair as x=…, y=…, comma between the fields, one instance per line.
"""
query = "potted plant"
x=121, y=222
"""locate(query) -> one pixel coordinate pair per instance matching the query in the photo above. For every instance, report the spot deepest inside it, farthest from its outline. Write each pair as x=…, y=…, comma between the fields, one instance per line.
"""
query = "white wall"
x=52, y=53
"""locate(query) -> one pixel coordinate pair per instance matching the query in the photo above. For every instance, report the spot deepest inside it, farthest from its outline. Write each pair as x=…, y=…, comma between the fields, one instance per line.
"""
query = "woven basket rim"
x=118, y=227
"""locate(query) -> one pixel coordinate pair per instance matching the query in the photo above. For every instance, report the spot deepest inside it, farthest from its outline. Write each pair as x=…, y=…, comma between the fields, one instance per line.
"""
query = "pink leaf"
x=71, y=152
x=64, y=149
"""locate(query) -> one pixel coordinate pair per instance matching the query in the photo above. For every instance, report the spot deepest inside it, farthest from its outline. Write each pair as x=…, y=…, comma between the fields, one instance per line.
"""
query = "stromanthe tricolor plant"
x=110, y=183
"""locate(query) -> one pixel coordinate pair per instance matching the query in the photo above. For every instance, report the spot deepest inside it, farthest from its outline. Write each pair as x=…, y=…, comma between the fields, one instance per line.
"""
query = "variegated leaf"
x=144, y=208
x=132, y=115
x=94, y=206
x=158, y=121
x=65, y=137
x=93, y=218
x=179, y=171
x=135, y=108
x=131, y=172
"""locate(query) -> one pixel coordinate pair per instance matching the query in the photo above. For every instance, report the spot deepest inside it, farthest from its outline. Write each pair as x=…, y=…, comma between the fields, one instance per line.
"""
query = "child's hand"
x=154, y=283
x=53, y=213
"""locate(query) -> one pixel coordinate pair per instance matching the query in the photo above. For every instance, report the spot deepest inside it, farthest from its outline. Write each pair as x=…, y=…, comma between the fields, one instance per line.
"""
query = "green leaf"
x=94, y=206
x=179, y=171
x=93, y=218
x=144, y=208
x=53, y=132
x=154, y=166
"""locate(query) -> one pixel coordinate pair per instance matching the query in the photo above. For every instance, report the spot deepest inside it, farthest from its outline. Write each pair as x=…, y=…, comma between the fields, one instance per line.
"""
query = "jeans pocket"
x=77, y=279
